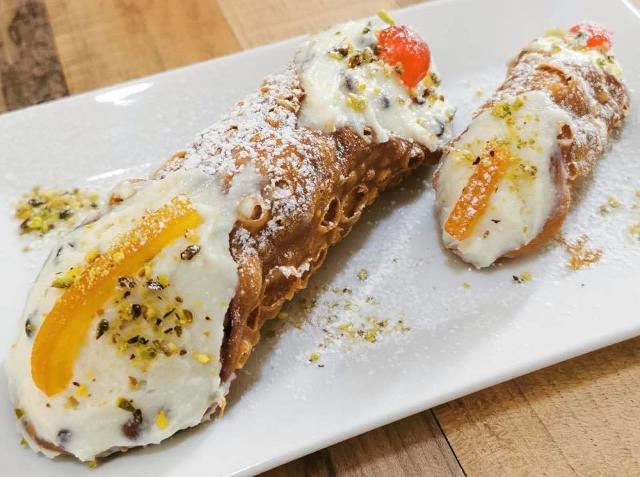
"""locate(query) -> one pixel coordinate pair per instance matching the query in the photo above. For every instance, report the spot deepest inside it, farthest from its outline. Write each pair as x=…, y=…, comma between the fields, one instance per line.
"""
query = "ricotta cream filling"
x=525, y=197
x=340, y=91
x=173, y=390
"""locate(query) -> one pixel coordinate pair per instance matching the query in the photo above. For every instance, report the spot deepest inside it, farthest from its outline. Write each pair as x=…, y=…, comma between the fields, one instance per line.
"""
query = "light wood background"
x=579, y=417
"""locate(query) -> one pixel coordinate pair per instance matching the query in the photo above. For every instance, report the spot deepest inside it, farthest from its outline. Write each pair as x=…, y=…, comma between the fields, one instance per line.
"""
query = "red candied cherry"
x=597, y=37
x=400, y=45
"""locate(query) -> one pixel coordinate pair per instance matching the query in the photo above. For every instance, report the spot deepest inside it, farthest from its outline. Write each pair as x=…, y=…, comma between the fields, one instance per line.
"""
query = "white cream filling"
x=385, y=103
x=524, y=200
x=179, y=385
x=563, y=47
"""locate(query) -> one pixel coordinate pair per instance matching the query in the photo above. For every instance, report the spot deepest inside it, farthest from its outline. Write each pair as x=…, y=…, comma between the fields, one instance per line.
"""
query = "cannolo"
x=504, y=186
x=140, y=318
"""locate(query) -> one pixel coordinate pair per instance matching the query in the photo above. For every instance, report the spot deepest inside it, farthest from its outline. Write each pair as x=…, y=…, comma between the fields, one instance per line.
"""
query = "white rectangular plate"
x=462, y=338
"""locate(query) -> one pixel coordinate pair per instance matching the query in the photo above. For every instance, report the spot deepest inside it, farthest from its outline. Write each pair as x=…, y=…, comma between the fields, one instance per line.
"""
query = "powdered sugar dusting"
x=262, y=132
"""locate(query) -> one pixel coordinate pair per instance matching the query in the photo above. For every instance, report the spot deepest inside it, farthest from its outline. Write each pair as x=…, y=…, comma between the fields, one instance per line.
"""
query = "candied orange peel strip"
x=476, y=195
x=65, y=328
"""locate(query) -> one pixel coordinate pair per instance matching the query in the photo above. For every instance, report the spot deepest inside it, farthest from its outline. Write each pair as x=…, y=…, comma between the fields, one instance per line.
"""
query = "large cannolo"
x=504, y=187
x=140, y=318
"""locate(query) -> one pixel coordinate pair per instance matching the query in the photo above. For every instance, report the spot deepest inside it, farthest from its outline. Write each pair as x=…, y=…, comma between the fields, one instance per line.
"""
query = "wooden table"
x=578, y=417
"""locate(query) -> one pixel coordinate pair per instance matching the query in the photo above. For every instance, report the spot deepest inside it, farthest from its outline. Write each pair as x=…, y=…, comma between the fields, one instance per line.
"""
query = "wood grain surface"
x=580, y=417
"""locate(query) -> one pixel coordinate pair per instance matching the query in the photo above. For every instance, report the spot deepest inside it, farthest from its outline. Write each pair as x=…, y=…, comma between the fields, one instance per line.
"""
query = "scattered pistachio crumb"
x=356, y=102
x=24, y=443
x=71, y=403
x=44, y=210
x=66, y=279
x=92, y=464
x=579, y=255
x=202, y=358
x=613, y=202
x=125, y=404
x=635, y=230
x=386, y=17
x=363, y=274
x=522, y=278
x=466, y=285
x=162, y=421
x=82, y=391
x=19, y=413
x=313, y=357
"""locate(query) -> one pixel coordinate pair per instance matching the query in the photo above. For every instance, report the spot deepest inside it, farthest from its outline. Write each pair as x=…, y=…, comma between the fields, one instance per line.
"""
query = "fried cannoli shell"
x=330, y=179
x=591, y=96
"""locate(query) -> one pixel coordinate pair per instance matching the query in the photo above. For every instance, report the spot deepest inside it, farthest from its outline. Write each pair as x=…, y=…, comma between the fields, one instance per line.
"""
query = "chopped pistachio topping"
x=613, y=202
x=71, y=403
x=363, y=274
x=125, y=404
x=29, y=328
x=579, y=255
x=190, y=252
x=82, y=391
x=503, y=109
x=386, y=17
x=202, y=358
x=356, y=102
x=635, y=230
x=554, y=32
x=19, y=413
x=24, y=443
x=162, y=421
x=65, y=280
x=149, y=322
x=313, y=357
x=522, y=278
x=103, y=326
x=41, y=211
x=92, y=464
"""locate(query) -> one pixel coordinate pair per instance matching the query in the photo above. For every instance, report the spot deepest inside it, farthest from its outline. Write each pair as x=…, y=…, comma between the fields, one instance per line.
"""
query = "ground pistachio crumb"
x=82, y=391
x=71, y=403
x=356, y=102
x=19, y=413
x=92, y=464
x=313, y=357
x=522, y=278
x=162, y=421
x=466, y=285
x=386, y=17
x=363, y=274
x=24, y=443
x=202, y=358
x=613, y=202
x=44, y=210
x=65, y=280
